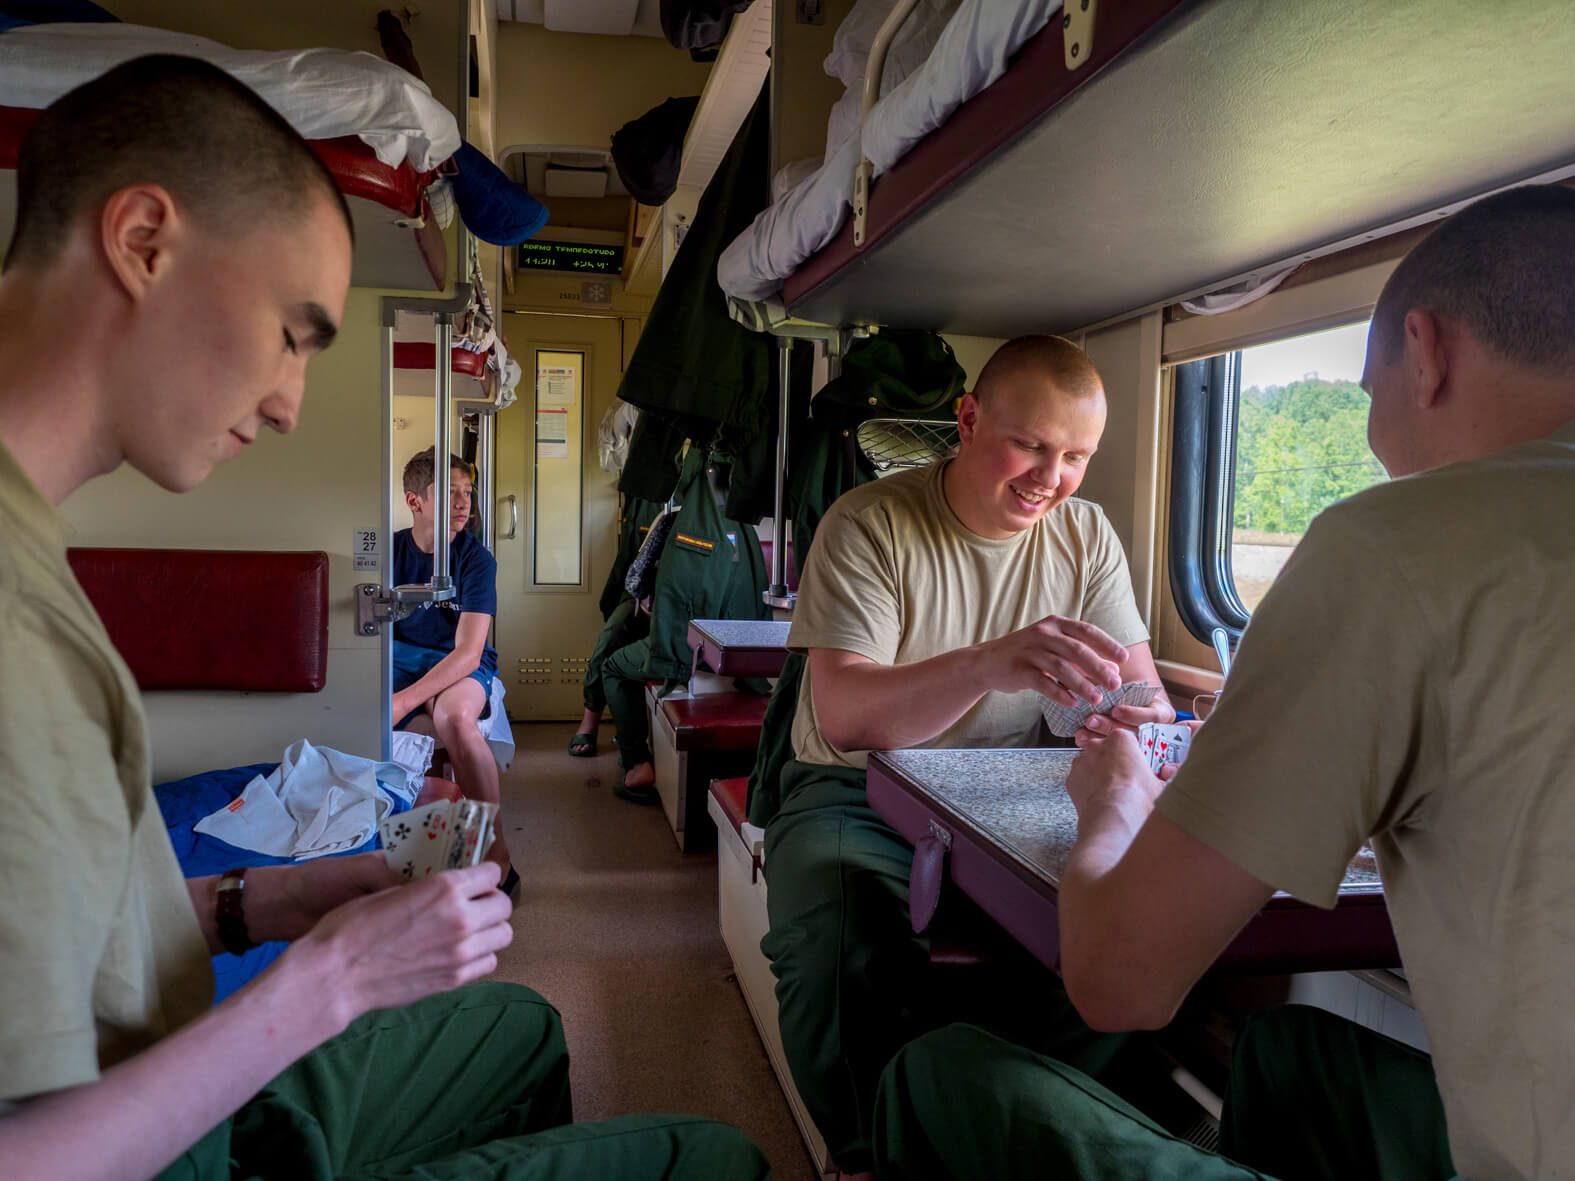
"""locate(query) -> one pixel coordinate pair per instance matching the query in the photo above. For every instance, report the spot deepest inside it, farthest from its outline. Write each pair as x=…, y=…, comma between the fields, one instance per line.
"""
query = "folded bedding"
x=970, y=51
x=323, y=93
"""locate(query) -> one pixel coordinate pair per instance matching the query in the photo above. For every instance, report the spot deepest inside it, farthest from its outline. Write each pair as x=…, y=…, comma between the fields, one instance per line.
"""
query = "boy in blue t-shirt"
x=443, y=665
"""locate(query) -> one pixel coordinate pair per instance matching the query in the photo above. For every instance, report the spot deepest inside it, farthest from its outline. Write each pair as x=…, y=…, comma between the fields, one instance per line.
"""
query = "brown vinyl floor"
x=618, y=929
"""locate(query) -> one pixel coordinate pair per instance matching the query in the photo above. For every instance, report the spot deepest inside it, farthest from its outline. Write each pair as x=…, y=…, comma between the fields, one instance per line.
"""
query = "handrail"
x=874, y=67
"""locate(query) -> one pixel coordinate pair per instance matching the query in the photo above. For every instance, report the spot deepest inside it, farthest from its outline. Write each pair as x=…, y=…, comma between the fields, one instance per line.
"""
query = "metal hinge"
x=373, y=608
x=941, y=834
x=1077, y=31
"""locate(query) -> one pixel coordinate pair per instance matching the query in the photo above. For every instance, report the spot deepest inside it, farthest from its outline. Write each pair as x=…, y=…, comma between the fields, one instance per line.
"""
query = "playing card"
x=448, y=834
x=1067, y=720
x=471, y=822
x=416, y=842
x=1163, y=743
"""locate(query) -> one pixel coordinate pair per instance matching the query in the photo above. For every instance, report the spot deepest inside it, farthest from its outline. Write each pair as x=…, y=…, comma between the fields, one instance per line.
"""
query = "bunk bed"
x=1283, y=132
x=379, y=130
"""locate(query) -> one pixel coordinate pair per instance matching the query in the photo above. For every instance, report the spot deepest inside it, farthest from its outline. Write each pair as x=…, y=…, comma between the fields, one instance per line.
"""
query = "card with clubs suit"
x=447, y=834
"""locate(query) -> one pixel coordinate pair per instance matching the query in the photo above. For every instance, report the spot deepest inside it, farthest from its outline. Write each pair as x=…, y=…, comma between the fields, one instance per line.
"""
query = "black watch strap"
x=229, y=912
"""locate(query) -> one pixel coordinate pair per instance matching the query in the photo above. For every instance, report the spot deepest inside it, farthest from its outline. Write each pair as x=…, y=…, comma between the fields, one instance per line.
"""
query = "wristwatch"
x=229, y=912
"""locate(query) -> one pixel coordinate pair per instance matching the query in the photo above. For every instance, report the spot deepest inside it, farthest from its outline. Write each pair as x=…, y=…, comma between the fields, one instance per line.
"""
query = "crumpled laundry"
x=318, y=801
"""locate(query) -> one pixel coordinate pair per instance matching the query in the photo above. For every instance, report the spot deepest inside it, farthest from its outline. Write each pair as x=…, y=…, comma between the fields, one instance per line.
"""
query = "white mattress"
x=970, y=52
x=323, y=93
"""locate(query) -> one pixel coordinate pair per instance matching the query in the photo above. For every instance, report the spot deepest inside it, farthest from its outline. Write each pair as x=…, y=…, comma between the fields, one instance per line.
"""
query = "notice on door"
x=552, y=432
x=557, y=385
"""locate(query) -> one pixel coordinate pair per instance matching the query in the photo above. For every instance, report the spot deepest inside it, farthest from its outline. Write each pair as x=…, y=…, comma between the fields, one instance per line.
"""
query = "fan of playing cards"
x=450, y=834
x=1067, y=720
x=1164, y=742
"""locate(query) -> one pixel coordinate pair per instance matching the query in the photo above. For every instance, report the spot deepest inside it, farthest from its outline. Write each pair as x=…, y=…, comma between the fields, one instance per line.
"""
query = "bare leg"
x=590, y=723
x=454, y=713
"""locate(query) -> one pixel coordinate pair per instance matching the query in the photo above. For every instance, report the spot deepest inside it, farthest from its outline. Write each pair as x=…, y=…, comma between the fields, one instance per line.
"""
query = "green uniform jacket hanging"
x=711, y=568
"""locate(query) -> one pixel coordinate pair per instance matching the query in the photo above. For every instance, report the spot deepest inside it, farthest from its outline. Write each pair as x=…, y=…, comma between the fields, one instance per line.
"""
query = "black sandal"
x=511, y=885
x=583, y=746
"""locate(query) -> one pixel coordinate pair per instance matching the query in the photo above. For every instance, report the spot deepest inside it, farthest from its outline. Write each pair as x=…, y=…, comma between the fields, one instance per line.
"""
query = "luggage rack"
x=893, y=444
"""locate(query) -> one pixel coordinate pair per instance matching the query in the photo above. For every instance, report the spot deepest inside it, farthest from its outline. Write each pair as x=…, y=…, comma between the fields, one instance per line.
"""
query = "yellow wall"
x=803, y=94
x=307, y=491
x=578, y=88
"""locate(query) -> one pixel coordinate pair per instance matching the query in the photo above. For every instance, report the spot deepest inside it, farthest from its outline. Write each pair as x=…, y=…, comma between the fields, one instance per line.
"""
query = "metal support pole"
x=777, y=595
x=442, y=397
x=385, y=534
x=486, y=460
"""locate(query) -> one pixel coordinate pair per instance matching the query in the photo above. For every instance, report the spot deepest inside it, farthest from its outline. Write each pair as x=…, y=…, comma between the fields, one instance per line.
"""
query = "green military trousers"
x=623, y=627
x=1311, y=1097
x=623, y=683
x=853, y=980
x=470, y=1084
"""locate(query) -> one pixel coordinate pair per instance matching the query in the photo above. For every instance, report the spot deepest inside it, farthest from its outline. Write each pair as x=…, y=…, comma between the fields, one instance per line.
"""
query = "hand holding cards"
x=448, y=834
x=1067, y=720
x=1163, y=743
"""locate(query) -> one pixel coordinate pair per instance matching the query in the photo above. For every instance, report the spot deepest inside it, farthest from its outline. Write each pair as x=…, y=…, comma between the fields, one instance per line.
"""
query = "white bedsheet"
x=323, y=93
x=971, y=52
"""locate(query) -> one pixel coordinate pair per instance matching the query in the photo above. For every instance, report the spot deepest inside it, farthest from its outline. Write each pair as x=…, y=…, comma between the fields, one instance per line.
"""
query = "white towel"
x=318, y=801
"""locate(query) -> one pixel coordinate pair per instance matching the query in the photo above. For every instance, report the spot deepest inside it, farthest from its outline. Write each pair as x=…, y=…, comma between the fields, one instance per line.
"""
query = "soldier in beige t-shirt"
x=201, y=253
x=936, y=607
x=1408, y=680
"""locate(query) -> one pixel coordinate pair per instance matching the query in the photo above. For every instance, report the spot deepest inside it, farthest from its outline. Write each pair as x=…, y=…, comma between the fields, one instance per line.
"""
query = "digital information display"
x=584, y=258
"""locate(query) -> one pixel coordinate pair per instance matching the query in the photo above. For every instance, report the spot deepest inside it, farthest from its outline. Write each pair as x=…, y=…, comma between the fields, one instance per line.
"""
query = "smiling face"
x=226, y=335
x=1025, y=449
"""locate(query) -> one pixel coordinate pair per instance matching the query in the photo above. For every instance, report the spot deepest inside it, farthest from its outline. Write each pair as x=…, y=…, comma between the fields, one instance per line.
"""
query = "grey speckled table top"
x=743, y=633
x=1018, y=798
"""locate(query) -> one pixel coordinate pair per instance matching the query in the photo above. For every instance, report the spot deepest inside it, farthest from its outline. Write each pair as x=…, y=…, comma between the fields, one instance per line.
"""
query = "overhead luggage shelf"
x=1203, y=142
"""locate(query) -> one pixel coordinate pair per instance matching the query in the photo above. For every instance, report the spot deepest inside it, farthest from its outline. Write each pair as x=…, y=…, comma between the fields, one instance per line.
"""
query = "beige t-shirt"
x=896, y=577
x=100, y=951
x=1412, y=676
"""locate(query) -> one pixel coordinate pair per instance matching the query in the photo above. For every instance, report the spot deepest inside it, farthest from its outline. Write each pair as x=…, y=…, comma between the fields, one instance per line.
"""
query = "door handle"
x=514, y=518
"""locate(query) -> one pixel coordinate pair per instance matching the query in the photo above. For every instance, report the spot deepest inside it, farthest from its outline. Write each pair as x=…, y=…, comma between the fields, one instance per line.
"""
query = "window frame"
x=1205, y=411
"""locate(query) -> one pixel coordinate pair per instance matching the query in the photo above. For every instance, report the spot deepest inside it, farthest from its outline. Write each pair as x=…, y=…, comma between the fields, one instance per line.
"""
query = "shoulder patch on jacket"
x=699, y=544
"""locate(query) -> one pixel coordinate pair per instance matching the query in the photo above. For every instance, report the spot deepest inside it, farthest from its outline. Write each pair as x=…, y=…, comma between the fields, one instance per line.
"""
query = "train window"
x=1266, y=438
x=557, y=542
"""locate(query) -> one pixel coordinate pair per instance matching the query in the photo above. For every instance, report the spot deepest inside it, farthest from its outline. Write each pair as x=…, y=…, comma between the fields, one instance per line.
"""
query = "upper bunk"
x=380, y=131
x=1196, y=144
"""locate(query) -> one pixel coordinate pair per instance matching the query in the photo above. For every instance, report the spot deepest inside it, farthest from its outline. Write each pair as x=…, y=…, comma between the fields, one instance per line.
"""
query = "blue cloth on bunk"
x=183, y=802
x=41, y=12
x=491, y=205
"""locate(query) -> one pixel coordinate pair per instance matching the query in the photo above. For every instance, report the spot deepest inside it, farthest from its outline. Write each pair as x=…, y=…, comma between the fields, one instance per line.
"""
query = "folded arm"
x=862, y=704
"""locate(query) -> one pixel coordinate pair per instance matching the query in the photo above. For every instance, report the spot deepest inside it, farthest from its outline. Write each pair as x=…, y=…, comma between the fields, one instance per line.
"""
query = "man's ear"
x=967, y=416
x=413, y=502
x=137, y=229
x=1424, y=357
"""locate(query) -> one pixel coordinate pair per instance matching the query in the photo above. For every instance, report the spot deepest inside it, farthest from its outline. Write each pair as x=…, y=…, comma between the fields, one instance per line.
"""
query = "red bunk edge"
x=414, y=354
x=355, y=167
x=1035, y=82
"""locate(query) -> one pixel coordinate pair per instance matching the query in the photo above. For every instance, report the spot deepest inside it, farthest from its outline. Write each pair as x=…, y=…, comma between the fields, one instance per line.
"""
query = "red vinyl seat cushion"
x=716, y=721
x=213, y=619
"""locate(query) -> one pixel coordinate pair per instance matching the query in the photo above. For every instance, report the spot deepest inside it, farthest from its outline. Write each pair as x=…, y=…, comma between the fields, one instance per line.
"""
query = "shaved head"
x=227, y=157
x=1040, y=359
x=1503, y=269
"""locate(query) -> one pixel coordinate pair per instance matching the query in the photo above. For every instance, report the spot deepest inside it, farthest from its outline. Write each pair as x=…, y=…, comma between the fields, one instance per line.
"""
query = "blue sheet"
x=183, y=803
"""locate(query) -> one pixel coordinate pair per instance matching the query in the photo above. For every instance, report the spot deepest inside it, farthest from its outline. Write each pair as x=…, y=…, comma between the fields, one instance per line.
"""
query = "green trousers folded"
x=473, y=1084
x=1312, y=1097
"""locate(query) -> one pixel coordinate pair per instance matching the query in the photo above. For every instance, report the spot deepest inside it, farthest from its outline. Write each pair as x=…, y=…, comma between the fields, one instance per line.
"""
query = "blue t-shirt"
x=475, y=575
